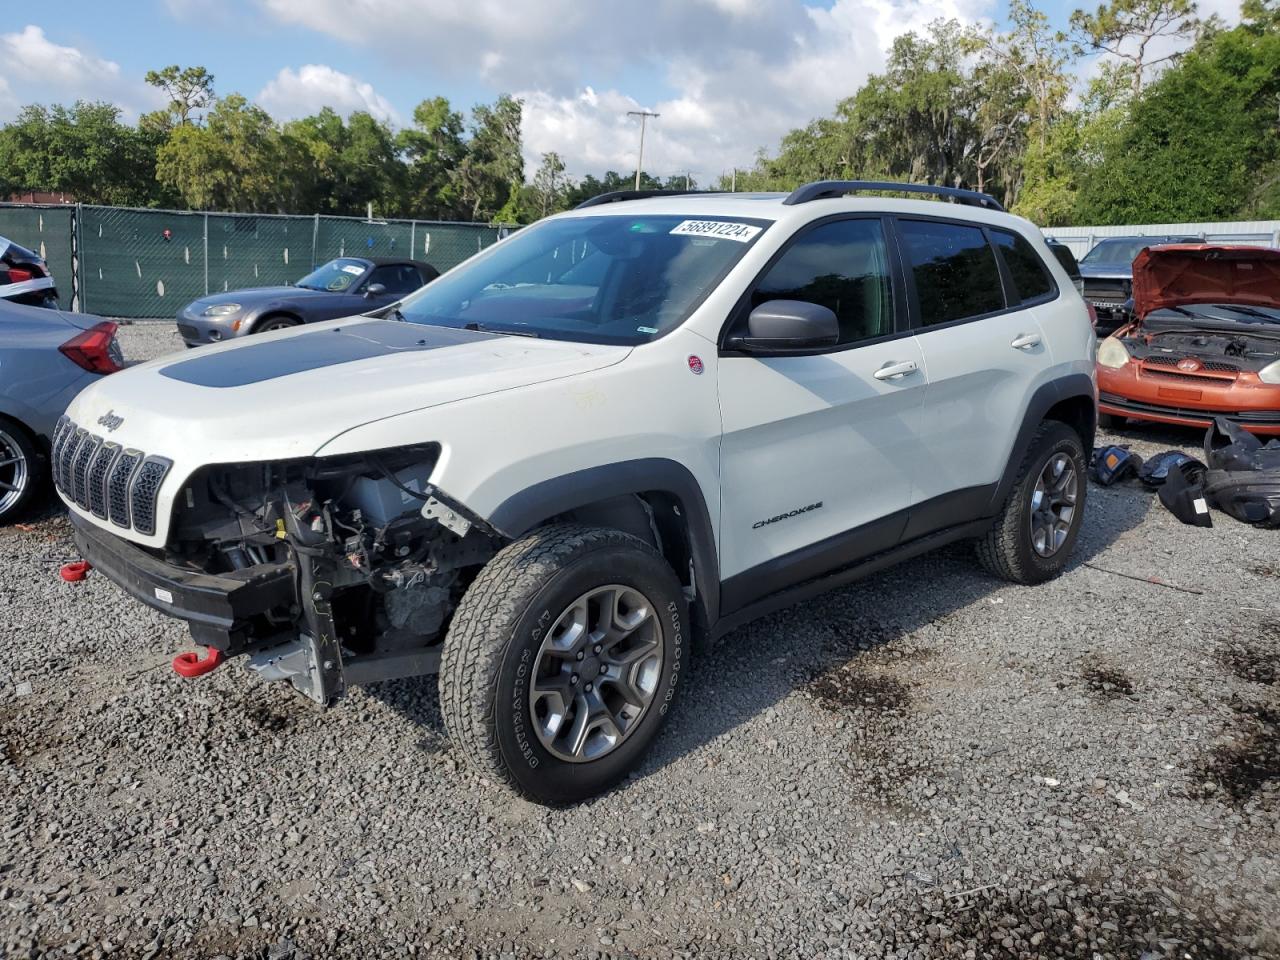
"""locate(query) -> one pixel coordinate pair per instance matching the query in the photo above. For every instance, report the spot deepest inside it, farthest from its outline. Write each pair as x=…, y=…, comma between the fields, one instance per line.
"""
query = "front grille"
x=1167, y=360
x=120, y=485
x=188, y=332
x=1188, y=377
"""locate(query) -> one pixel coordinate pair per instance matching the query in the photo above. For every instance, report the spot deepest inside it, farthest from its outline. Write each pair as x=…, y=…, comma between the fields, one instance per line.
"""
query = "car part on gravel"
x=1110, y=465
x=75, y=571
x=18, y=466
x=1155, y=471
x=1183, y=494
x=1244, y=474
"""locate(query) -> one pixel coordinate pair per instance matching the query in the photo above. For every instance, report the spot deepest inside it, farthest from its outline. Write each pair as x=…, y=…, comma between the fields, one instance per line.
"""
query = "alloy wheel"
x=1053, y=505
x=15, y=472
x=596, y=673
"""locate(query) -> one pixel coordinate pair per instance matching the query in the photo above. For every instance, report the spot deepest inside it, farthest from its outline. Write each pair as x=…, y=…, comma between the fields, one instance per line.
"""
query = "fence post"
x=206, y=254
x=77, y=262
x=315, y=239
x=413, y=239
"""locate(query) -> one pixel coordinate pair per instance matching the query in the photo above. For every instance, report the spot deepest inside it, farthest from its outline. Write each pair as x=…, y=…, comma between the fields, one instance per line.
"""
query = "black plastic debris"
x=1112, y=464
x=1183, y=494
x=1243, y=479
x=1156, y=471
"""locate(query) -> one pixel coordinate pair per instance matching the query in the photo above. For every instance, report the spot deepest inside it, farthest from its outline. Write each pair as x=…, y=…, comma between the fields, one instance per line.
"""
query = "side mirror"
x=374, y=290
x=788, y=326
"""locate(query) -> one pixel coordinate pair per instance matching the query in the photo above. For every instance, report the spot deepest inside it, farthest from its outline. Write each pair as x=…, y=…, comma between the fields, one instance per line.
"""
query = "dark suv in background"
x=1107, y=271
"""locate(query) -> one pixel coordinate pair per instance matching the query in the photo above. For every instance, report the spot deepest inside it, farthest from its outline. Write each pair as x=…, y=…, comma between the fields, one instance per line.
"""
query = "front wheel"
x=1034, y=534
x=563, y=660
x=275, y=323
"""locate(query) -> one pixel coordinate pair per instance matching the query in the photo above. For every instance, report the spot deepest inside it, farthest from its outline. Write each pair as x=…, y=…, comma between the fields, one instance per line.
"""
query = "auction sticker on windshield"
x=720, y=229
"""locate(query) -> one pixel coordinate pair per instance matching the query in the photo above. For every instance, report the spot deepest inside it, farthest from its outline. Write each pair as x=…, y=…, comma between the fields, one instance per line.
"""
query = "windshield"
x=335, y=276
x=603, y=279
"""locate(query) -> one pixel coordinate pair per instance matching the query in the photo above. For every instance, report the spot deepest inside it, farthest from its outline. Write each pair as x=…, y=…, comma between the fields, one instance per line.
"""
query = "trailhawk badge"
x=110, y=420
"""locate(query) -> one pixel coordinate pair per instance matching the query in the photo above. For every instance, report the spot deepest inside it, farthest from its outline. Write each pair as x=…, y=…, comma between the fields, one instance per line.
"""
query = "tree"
x=1201, y=143
x=1037, y=54
x=233, y=162
x=188, y=89
x=433, y=148
x=83, y=150
x=1125, y=29
x=549, y=183
x=492, y=169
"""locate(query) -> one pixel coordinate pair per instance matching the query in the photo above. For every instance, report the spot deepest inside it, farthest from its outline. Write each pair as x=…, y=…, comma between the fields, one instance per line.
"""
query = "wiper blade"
x=1250, y=311
x=484, y=328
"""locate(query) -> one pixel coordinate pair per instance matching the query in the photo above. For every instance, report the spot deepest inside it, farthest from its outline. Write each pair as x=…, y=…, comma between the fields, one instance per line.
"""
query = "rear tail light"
x=18, y=275
x=95, y=349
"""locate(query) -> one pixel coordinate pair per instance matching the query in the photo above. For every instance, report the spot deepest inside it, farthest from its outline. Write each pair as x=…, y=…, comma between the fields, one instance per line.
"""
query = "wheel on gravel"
x=21, y=474
x=563, y=659
x=1109, y=421
x=1034, y=534
x=276, y=323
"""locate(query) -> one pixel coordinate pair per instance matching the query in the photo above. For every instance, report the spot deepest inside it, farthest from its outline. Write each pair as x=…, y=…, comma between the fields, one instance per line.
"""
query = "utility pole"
x=643, y=115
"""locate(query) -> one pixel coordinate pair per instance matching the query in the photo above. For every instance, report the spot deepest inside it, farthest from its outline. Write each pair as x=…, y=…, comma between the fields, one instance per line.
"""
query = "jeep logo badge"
x=110, y=420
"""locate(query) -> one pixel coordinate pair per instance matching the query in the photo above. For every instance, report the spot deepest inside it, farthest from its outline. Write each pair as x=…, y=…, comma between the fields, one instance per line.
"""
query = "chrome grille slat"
x=114, y=484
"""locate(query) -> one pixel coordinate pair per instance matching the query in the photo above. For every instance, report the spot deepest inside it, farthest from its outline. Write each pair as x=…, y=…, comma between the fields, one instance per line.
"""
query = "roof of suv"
x=770, y=206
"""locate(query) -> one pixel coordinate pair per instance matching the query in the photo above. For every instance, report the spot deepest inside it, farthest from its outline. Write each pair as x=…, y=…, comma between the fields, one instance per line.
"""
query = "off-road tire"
x=493, y=644
x=36, y=474
x=1006, y=551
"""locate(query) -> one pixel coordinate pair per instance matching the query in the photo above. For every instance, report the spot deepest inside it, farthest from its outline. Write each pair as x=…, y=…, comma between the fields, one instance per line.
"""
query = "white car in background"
x=642, y=422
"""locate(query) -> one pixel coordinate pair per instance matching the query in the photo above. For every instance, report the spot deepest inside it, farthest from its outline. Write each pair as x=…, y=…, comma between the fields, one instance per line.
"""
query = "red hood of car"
x=1186, y=273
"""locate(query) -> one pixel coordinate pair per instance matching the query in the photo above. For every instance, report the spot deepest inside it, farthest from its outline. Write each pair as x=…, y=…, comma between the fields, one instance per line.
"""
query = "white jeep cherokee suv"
x=643, y=421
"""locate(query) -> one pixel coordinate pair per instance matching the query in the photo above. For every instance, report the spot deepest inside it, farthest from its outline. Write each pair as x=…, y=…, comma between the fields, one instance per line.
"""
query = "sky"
x=726, y=76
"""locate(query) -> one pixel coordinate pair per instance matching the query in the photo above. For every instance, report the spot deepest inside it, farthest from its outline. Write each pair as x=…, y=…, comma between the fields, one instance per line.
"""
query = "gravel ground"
x=927, y=764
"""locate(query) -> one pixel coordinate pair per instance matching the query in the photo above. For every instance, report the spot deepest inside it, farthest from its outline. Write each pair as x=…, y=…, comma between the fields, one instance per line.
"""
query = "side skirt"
x=863, y=568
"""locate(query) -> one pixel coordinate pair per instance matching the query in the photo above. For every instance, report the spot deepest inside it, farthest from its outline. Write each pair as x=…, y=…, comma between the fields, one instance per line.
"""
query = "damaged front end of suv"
x=326, y=572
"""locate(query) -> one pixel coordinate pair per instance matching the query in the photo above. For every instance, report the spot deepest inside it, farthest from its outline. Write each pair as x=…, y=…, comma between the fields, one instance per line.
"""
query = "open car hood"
x=1182, y=274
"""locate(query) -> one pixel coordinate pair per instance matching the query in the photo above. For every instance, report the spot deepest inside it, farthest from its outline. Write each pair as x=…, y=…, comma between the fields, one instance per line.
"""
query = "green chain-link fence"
x=121, y=262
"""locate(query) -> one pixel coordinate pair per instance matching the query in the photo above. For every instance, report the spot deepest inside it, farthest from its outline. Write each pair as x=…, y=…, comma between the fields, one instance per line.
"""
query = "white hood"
x=280, y=396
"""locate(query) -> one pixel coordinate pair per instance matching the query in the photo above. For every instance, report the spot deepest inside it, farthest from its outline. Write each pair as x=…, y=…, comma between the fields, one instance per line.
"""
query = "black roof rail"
x=618, y=196
x=826, y=189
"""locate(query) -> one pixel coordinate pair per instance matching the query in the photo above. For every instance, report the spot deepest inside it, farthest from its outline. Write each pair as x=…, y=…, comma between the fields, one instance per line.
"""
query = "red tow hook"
x=190, y=665
x=75, y=572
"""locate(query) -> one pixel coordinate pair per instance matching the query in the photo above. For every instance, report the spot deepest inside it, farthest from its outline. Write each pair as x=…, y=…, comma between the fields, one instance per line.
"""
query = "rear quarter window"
x=1030, y=276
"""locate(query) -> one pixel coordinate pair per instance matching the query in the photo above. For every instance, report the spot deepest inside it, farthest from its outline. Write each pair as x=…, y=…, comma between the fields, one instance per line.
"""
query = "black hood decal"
x=314, y=349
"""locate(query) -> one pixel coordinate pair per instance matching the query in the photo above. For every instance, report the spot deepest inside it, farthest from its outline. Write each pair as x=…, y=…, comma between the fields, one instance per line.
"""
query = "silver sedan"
x=46, y=358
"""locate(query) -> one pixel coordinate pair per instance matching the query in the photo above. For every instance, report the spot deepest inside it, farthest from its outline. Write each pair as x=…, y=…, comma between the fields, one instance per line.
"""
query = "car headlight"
x=220, y=310
x=1270, y=373
x=1111, y=353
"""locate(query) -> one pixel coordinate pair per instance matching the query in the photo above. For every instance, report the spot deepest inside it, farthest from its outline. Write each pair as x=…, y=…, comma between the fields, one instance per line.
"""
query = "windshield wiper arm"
x=1251, y=312
x=482, y=328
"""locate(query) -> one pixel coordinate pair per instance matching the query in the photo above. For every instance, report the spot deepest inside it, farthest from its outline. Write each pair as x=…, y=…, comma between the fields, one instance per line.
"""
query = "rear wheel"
x=1033, y=537
x=563, y=660
x=1109, y=421
x=20, y=469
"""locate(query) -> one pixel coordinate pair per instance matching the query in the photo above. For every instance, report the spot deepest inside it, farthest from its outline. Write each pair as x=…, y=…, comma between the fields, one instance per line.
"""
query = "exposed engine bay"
x=381, y=559
x=1247, y=346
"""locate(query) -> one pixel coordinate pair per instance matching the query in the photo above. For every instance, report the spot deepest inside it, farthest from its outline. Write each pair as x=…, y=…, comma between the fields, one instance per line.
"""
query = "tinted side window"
x=1030, y=278
x=399, y=279
x=954, y=268
x=842, y=265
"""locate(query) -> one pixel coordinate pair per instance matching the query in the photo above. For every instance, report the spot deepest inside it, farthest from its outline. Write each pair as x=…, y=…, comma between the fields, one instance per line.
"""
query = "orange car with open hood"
x=1204, y=341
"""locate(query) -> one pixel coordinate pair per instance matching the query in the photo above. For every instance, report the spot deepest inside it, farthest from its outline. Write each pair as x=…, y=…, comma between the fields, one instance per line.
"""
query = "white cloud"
x=297, y=93
x=34, y=69
x=733, y=75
